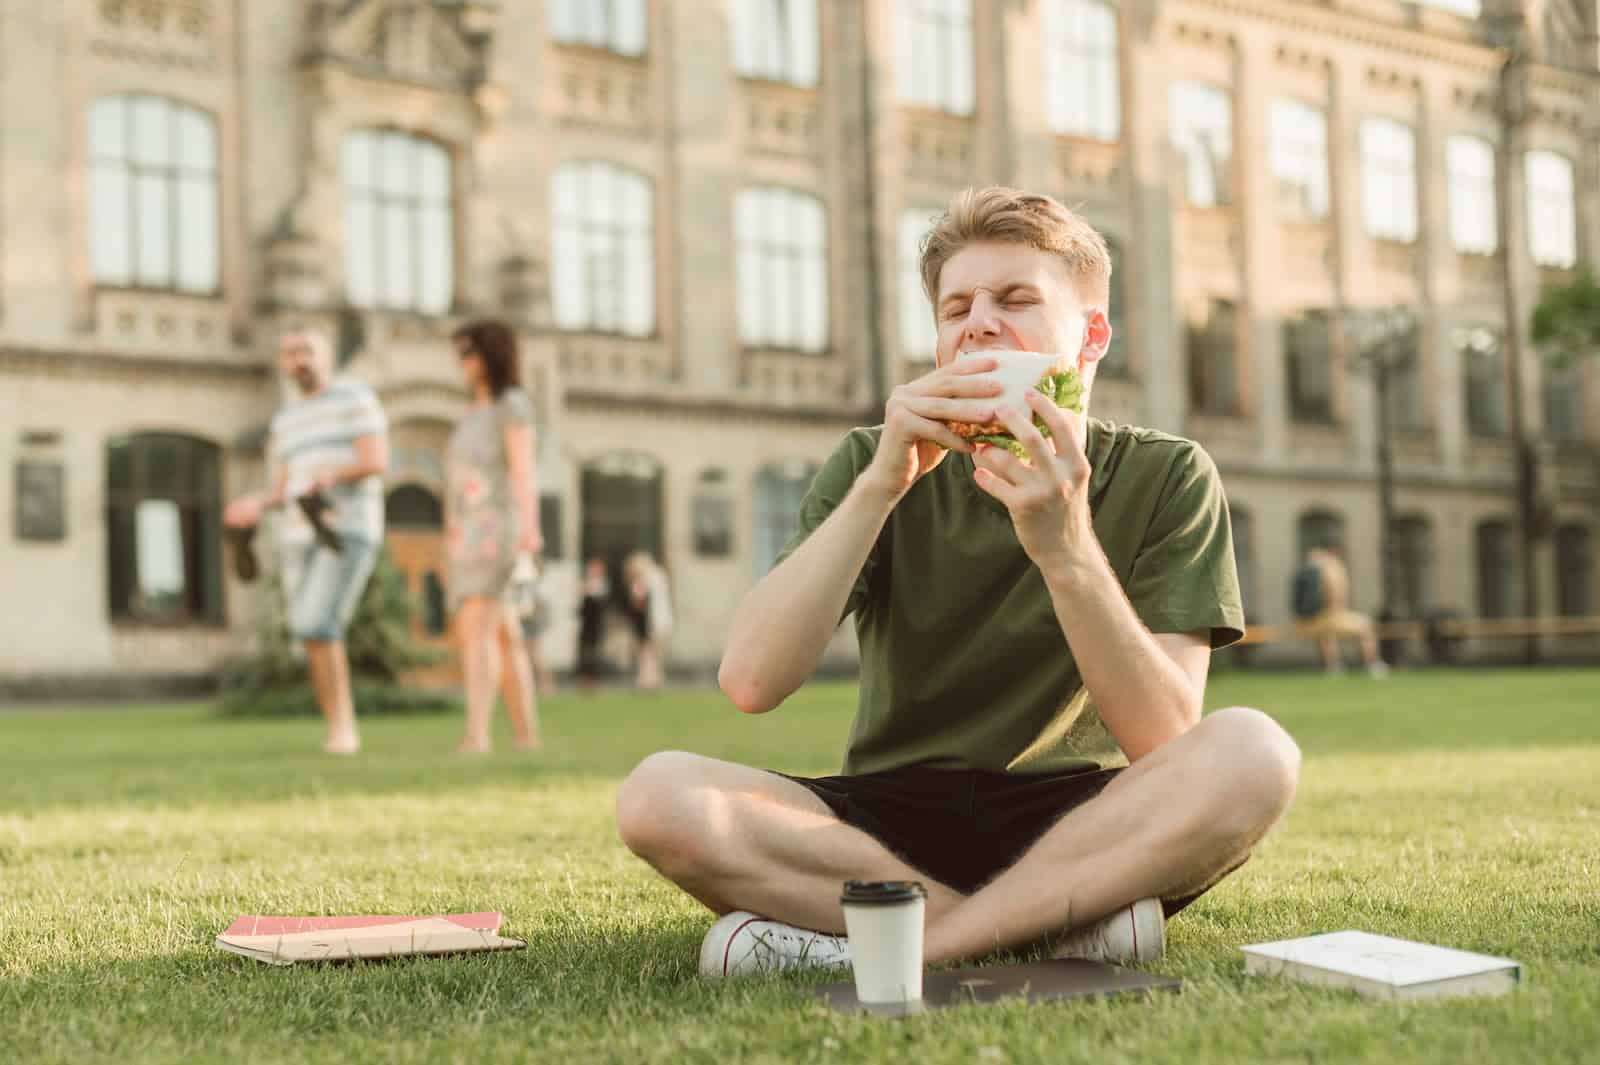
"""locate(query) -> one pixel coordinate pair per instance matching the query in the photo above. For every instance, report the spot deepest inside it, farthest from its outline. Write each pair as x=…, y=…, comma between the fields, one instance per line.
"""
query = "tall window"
x=1574, y=571
x=1552, y=211
x=399, y=241
x=616, y=25
x=1563, y=403
x=164, y=528
x=1405, y=406
x=776, y=40
x=934, y=54
x=1413, y=565
x=1081, y=66
x=1115, y=363
x=1244, y=556
x=918, y=336
x=153, y=195
x=1483, y=372
x=603, y=250
x=1308, y=353
x=783, y=270
x=1470, y=164
x=620, y=500
x=1212, y=336
x=1496, y=589
x=779, y=492
x=1389, y=179
x=1299, y=155
x=1202, y=133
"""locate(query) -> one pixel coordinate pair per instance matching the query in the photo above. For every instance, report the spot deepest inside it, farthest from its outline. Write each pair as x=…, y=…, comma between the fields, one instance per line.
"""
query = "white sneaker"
x=742, y=944
x=1137, y=932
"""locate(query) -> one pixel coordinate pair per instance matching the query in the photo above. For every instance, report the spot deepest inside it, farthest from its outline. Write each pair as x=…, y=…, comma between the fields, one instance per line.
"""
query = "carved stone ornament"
x=428, y=42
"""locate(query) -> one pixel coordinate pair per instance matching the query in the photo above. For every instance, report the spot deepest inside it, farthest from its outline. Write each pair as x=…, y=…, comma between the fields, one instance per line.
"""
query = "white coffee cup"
x=883, y=919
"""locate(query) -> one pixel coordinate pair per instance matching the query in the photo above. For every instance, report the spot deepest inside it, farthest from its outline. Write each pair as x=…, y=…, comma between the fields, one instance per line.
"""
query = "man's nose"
x=982, y=321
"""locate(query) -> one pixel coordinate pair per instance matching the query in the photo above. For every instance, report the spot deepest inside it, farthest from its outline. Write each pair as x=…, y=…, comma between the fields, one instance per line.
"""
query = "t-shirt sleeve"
x=1184, y=578
x=514, y=408
x=364, y=414
x=827, y=490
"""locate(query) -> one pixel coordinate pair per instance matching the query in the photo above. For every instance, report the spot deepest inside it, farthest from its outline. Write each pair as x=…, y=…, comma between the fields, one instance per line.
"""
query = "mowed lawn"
x=1461, y=808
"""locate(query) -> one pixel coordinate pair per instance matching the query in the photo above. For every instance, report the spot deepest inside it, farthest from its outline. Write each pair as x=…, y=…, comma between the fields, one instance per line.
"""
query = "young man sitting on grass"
x=1035, y=638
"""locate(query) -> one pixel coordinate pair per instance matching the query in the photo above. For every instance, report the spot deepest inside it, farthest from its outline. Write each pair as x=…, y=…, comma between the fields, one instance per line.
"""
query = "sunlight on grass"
x=1460, y=808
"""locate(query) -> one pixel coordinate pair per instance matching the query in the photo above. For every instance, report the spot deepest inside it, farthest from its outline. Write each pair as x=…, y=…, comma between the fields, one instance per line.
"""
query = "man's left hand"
x=1048, y=496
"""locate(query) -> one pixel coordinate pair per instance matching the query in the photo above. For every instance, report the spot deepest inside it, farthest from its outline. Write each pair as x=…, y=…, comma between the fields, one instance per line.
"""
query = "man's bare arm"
x=783, y=626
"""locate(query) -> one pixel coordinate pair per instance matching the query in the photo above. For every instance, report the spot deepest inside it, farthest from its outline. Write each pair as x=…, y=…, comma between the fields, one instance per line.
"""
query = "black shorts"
x=960, y=827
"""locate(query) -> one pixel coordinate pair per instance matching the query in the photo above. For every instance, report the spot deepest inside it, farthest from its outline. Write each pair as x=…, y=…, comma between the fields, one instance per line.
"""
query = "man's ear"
x=1096, y=337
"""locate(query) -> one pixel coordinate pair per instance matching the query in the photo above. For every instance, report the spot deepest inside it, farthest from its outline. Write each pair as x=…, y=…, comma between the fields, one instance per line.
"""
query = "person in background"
x=650, y=609
x=329, y=449
x=491, y=521
x=595, y=596
x=1322, y=603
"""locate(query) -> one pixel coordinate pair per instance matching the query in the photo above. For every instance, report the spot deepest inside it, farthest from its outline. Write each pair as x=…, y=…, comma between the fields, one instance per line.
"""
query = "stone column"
x=1261, y=364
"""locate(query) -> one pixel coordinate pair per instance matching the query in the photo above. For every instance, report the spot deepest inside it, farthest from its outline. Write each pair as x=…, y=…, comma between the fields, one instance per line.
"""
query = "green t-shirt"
x=963, y=662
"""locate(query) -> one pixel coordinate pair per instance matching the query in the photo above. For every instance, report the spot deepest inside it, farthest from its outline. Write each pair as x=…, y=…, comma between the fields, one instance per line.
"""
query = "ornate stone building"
x=702, y=214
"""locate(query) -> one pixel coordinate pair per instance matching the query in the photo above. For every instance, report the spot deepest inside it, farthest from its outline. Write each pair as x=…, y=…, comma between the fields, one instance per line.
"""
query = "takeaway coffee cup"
x=883, y=919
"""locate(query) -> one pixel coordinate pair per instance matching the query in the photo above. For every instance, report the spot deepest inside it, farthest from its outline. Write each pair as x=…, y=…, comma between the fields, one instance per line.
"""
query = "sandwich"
x=1017, y=372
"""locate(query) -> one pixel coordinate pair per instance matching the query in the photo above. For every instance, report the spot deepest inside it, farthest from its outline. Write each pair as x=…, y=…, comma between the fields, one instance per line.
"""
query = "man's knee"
x=1260, y=761
x=660, y=815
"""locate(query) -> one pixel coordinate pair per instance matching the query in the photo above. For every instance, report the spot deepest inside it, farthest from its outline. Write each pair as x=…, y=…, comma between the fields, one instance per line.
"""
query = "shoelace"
x=782, y=956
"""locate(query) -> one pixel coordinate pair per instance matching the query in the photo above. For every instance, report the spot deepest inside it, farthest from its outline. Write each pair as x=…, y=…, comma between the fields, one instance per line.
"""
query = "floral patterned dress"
x=481, y=511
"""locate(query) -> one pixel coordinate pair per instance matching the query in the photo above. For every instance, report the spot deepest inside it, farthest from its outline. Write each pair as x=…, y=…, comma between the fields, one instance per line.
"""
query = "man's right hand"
x=915, y=436
x=243, y=513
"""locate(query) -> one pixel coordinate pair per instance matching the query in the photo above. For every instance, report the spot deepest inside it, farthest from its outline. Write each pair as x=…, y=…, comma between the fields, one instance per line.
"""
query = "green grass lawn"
x=1460, y=808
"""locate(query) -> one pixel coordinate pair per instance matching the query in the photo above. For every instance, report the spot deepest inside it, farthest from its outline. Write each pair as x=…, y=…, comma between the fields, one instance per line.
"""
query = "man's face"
x=299, y=361
x=1011, y=296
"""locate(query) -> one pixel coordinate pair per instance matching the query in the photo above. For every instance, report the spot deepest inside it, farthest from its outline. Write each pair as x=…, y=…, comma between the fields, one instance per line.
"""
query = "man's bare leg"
x=1328, y=647
x=738, y=838
x=1167, y=827
x=330, y=683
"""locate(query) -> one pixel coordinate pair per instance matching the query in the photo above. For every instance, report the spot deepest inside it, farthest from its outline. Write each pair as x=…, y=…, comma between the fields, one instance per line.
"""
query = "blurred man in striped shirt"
x=328, y=450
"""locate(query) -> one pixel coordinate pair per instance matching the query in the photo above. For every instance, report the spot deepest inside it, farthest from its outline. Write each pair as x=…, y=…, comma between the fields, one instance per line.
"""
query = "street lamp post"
x=1384, y=344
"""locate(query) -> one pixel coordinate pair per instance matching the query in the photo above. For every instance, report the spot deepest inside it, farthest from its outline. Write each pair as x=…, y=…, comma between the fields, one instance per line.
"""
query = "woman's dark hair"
x=494, y=342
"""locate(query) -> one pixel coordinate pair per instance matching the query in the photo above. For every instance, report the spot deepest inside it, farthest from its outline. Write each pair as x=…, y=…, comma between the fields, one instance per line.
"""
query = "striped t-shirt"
x=316, y=432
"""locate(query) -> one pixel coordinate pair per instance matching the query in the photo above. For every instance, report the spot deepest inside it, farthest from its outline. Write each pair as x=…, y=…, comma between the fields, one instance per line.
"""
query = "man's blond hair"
x=1010, y=216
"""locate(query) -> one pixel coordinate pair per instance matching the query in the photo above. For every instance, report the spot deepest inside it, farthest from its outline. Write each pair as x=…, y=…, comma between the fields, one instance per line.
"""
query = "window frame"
x=1204, y=385
x=1389, y=180
x=597, y=24
x=792, y=31
x=200, y=518
x=1183, y=95
x=1290, y=159
x=1482, y=192
x=415, y=206
x=173, y=176
x=1082, y=64
x=916, y=313
x=932, y=42
x=771, y=516
x=1294, y=376
x=602, y=232
x=1547, y=205
x=790, y=263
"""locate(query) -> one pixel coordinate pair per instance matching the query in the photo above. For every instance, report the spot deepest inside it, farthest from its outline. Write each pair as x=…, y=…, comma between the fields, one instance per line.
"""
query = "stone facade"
x=82, y=364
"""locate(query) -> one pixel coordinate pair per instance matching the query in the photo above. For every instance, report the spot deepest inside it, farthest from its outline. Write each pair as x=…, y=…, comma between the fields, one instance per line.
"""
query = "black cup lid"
x=881, y=892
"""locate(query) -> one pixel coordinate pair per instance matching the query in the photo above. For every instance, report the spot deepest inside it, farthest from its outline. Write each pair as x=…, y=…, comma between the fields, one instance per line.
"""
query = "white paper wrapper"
x=1018, y=372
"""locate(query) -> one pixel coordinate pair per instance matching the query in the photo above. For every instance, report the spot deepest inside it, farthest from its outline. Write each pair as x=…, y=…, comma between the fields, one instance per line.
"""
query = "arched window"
x=1085, y=98
x=1496, y=568
x=776, y=40
x=153, y=206
x=1413, y=566
x=934, y=60
x=780, y=488
x=411, y=506
x=399, y=231
x=164, y=528
x=783, y=270
x=1574, y=571
x=603, y=253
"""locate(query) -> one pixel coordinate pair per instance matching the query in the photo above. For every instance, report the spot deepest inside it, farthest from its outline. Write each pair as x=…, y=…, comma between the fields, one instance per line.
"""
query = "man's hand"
x=1048, y=497
x=530, y=541
x=323, y=480
x=243, y=513
x=915, y=436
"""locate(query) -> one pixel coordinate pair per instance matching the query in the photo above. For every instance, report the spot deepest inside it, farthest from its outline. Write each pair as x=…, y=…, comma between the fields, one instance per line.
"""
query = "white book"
x=1382, y=967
